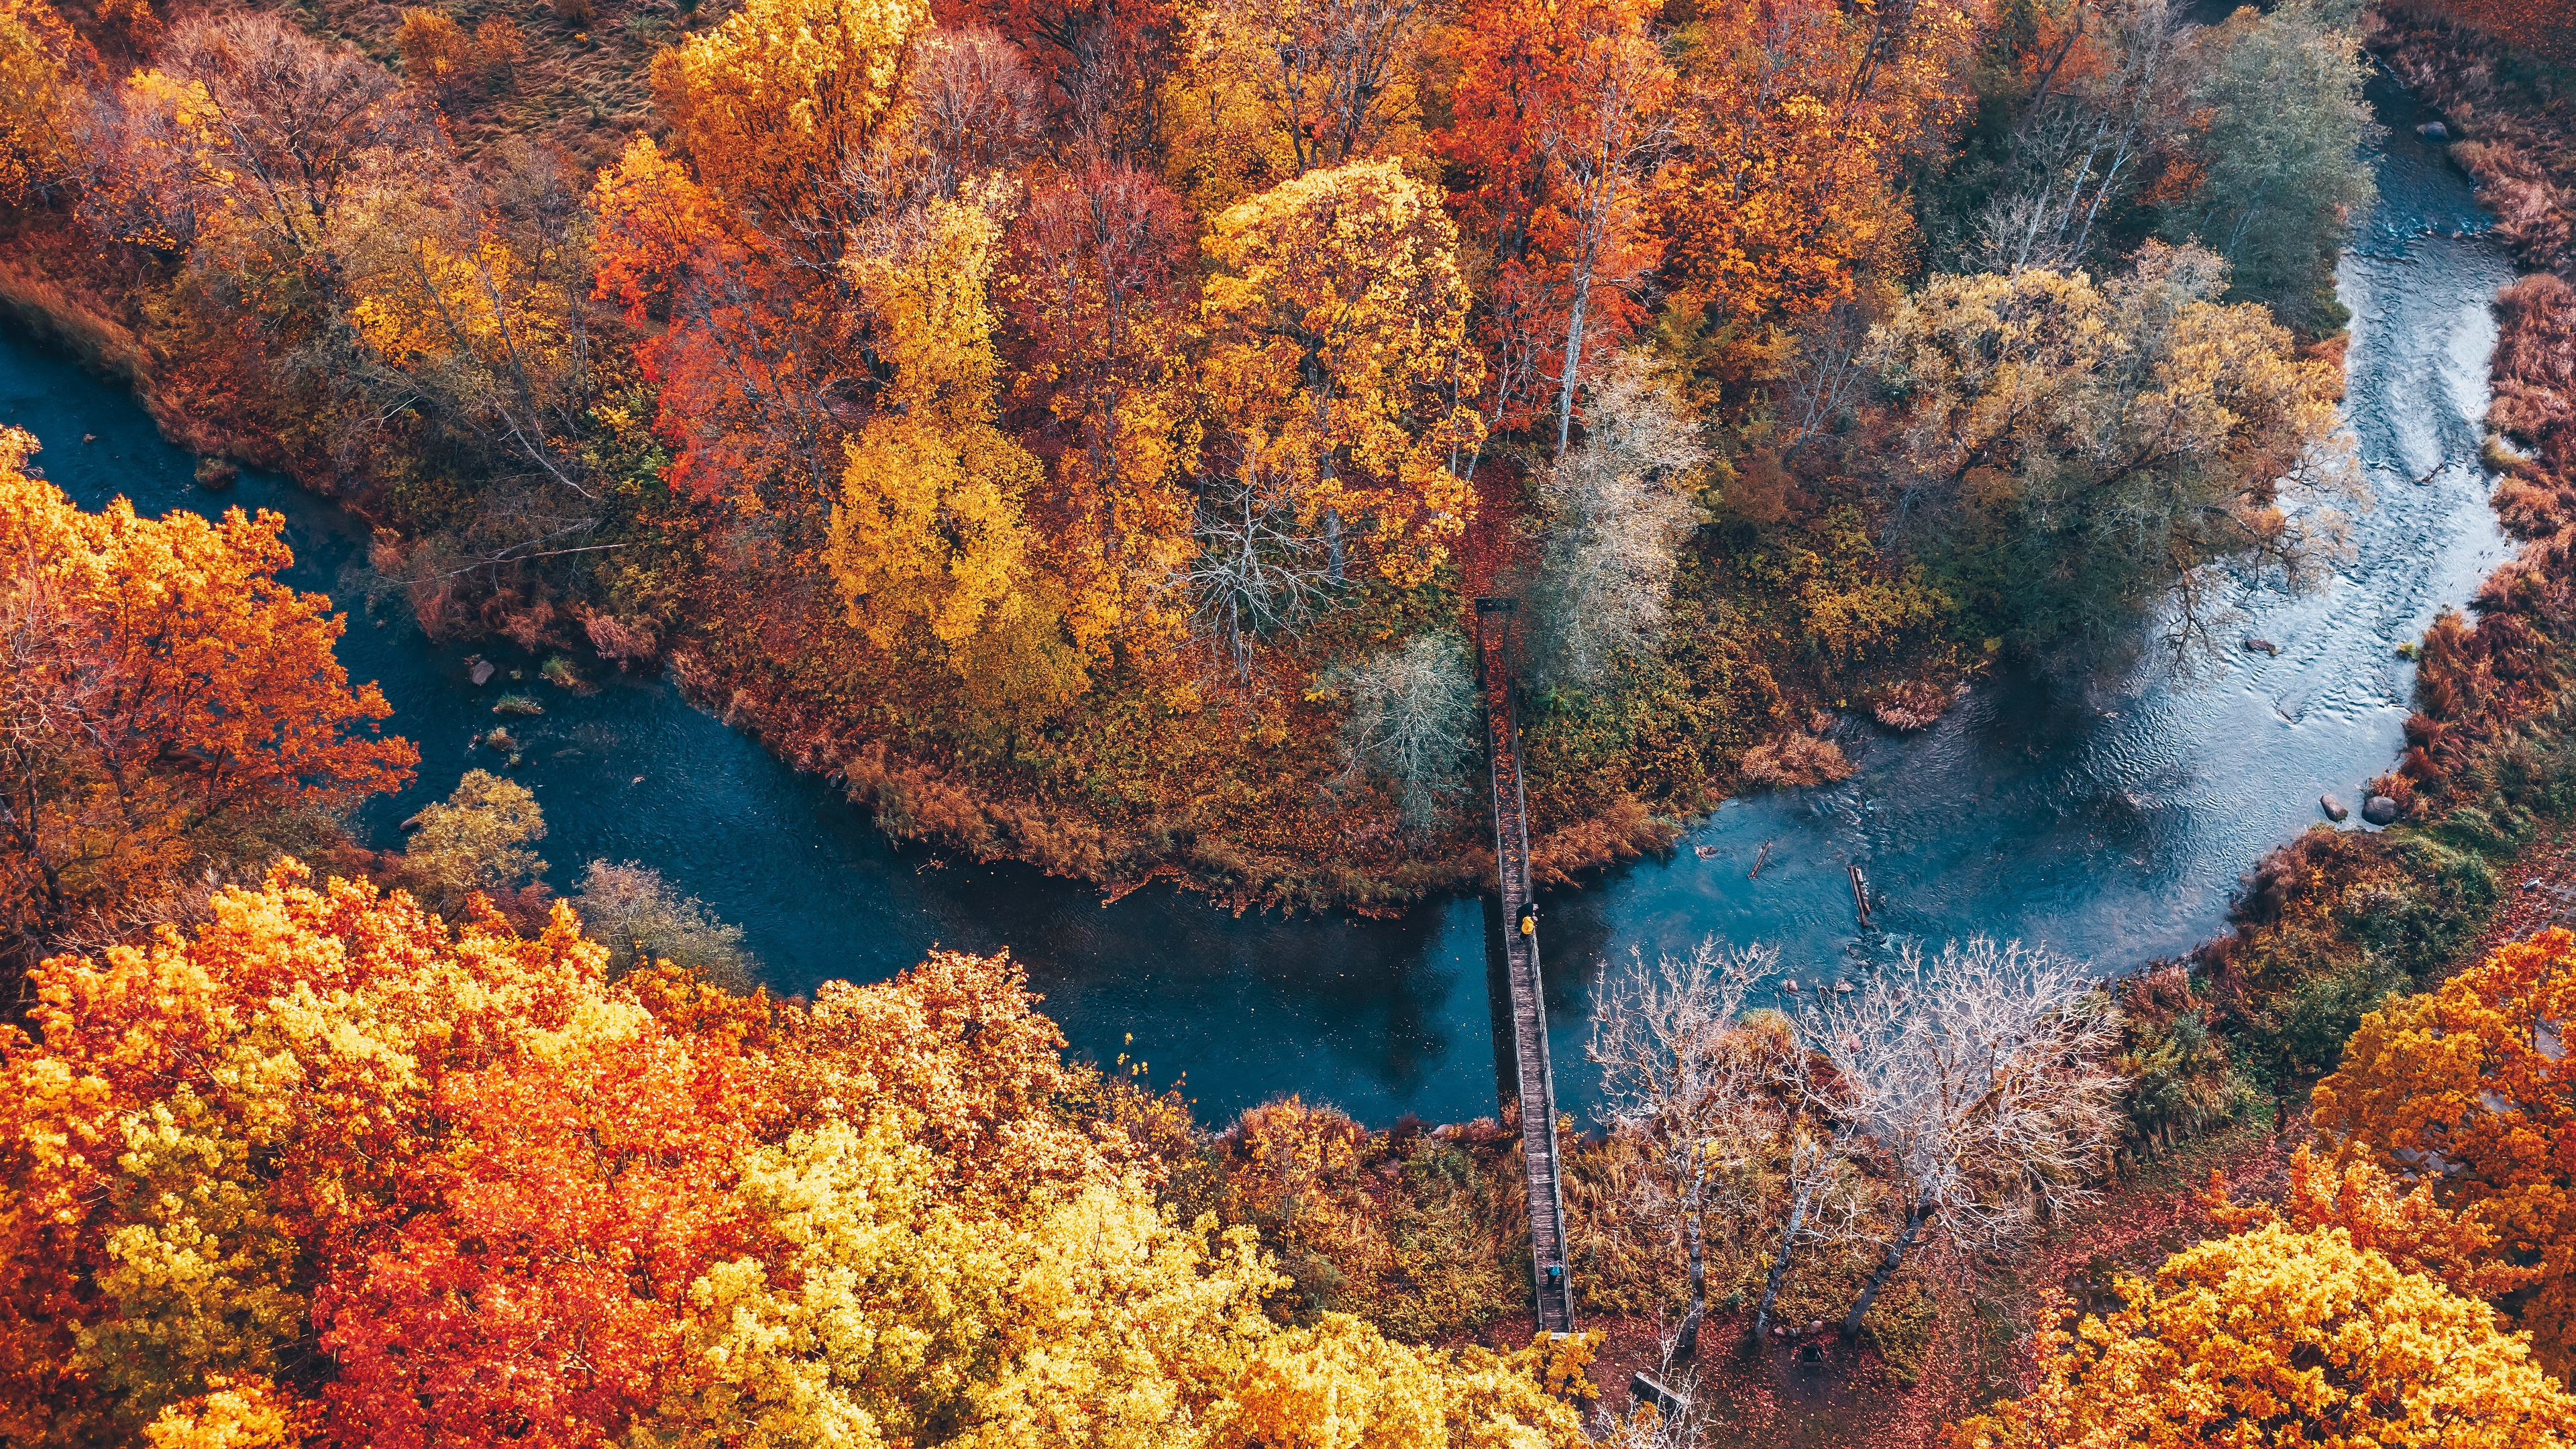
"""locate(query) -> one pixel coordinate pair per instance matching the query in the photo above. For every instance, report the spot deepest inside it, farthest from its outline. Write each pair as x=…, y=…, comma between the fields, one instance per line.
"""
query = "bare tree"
x=1826, y=371
x=976, y=107
x=1412, y=719
x=1980, y=1078
x=1255, y=571
x=1619, y=508
x=1688, y=1078
x=1654, y=1426
x=2082, y=146
x=1824, y=1201
x=289, y=128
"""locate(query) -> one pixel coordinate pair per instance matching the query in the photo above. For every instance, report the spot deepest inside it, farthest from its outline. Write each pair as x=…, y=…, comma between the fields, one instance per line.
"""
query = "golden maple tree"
x=2466, y=1087
x=2278, y=1338
x=787, y=106
x=1338, y=364
x=930, y=529
x=2408, y=1226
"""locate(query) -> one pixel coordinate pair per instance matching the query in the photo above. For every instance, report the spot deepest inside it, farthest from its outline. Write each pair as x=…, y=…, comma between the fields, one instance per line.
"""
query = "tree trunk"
x=1886, y=1269
x=1333, y=545
x=1779, y=1266
x=1686, y=1345
x=1573, y=361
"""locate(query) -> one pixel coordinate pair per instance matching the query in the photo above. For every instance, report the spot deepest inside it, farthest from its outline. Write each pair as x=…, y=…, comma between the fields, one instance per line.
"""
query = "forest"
x=1081, y=430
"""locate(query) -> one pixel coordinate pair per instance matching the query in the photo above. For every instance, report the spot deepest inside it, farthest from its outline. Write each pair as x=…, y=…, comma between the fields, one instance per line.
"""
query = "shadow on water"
x=2109, y=822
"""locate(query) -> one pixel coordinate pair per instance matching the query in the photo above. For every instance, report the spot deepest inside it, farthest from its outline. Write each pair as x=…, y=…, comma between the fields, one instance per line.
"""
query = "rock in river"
x=2379, y=810
x=2333, y=807
x=2433, y=131
x=2261, y=646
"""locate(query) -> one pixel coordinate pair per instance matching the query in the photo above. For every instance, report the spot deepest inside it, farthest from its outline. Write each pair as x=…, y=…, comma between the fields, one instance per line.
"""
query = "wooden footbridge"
x=1548, y=1274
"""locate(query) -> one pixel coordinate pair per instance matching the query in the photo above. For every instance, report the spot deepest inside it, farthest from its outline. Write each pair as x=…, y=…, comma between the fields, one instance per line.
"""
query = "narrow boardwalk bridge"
x=1548, y=1275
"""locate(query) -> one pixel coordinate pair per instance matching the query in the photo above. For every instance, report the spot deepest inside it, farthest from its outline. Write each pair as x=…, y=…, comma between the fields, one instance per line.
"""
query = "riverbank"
x=2335, y=920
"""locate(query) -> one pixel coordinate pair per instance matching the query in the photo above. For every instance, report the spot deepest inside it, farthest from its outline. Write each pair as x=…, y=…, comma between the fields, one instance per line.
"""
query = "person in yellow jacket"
x=1529, y=918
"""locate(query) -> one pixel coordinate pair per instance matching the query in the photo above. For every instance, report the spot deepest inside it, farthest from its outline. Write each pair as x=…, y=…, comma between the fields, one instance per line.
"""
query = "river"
x=2110, y=823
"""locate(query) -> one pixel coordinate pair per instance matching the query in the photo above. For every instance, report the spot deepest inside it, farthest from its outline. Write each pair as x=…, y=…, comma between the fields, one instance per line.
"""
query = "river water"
x=2110, y=823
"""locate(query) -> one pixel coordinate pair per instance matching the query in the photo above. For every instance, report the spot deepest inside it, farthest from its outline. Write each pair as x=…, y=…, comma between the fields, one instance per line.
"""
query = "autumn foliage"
x=2465, y=1086
x=2279, y=1337
x=329, y=1170
x=166, y=695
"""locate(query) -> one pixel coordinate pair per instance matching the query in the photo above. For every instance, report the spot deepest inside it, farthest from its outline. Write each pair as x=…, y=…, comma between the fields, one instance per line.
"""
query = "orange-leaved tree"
x=2408, y=1226
x=42, y=64
x=2280, y=1337
x=166, y=699
x=2467, y=1087
x=1099, y=288
x=1798, y=119
x=1562, y=113
x=1338, y=366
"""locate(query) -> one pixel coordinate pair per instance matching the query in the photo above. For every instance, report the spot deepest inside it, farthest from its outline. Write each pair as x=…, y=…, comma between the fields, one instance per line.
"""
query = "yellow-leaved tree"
x=40, y=64
x=929, y=532
x=1338, y=365
x=1275, y=89
x=783, y=108
x=2468, y=1087
x=2276, y=1337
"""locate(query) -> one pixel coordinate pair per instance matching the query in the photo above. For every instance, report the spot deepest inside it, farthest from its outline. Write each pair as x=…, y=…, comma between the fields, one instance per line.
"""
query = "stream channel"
x=2111, y=823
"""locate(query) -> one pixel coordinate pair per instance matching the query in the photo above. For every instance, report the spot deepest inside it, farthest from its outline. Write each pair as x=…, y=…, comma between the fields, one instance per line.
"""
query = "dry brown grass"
x=1914, y=704
x=1794, y=761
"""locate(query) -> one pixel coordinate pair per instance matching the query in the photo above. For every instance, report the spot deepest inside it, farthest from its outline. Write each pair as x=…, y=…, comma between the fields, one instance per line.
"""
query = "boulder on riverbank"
x=2334, y=808
x=2379, y=810
x=215, y=475
x=2433, y=131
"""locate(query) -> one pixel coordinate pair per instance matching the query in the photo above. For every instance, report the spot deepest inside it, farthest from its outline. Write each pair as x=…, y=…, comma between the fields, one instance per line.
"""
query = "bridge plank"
x=1550, y=1281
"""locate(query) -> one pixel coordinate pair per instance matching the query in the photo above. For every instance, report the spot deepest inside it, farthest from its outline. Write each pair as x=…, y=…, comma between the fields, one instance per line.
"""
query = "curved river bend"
x=2111, y=825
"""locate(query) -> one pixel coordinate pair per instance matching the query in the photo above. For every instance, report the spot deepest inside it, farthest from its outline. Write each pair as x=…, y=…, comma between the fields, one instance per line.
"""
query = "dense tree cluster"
x=325, y=1170
x=1108, y=406
x=1004, y=384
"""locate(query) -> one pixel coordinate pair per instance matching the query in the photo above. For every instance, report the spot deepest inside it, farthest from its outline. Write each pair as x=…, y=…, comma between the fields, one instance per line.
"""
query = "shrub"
x=1412, y=712
x=639, y=917
x=435, y=50
x=1794, y=761
x=475, y=840
x=502, y=49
